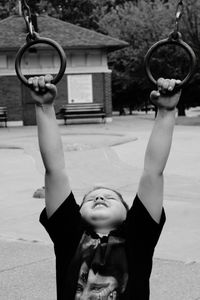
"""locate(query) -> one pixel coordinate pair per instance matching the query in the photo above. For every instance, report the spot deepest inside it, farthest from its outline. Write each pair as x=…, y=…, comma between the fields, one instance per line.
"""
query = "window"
x=80, y=88
x=3, y=61
x=78, y=60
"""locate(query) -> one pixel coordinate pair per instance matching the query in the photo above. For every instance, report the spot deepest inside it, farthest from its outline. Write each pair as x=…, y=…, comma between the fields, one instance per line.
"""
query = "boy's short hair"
x=106, y=188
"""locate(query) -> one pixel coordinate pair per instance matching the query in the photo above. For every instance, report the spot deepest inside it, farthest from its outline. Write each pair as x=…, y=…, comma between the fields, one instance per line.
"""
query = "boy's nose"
x=99, y=198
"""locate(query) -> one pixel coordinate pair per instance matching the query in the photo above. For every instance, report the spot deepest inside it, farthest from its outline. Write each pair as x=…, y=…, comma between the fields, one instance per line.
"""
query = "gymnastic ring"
x=174, y=39
x=40, y=40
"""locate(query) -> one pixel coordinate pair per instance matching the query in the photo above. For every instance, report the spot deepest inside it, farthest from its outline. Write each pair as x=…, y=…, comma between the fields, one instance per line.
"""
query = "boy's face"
x=103, y=209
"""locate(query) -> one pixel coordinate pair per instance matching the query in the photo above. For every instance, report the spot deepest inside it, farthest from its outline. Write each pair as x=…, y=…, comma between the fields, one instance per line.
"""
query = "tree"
x=79, y=12
x=6, y=7
x=190, y=27
x=11, y=7
x=142, y=24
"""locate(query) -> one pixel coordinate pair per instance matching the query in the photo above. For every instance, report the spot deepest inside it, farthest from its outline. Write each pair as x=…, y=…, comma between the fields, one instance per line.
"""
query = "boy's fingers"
x=114, y=297
x=51, y=88
x=172, y=84
x=154, y=95
x=178, y=81
x=30, y=80
x=35, y=83
x=48, y=78
x=165, y=84
x=41, y=82
x=160, y=83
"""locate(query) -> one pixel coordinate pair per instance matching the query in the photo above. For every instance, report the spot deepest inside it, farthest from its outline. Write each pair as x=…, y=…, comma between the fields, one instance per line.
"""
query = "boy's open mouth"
x=100, y=204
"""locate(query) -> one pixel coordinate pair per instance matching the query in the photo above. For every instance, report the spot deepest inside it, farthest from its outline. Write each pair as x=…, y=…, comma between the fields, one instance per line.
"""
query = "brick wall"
x=10, y=96
x=108, y=94
x=20, y=105
x=62, y=96
x=97, y=81
x=102, y=92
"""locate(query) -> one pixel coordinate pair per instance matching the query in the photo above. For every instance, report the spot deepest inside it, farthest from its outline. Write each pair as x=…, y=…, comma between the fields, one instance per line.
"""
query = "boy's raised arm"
x=150, y=189
x=57, y=186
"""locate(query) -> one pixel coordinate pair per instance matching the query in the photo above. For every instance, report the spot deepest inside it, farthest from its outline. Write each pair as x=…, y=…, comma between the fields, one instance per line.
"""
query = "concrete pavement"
x=110, y=155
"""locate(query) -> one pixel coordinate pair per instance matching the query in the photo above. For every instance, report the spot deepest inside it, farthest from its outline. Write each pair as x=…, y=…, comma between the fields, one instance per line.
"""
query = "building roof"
x=69, y=36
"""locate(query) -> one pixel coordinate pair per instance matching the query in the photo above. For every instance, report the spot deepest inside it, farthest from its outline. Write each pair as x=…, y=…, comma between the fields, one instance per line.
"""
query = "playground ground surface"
x=112, y=155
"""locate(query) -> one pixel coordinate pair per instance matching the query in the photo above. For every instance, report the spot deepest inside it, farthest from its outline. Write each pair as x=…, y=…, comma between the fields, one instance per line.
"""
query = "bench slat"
x=83, y=103
x=83, y=116
x=82, y=107
x=82, y=110
x=3, y=115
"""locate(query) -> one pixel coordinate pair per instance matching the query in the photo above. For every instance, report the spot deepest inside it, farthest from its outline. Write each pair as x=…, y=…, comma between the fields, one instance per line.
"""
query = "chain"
x=27, y=17
x=179, y=13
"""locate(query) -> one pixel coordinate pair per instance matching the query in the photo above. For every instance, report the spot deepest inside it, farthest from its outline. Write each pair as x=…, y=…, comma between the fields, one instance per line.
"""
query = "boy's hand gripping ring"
x=173, y=39
x=40, y=40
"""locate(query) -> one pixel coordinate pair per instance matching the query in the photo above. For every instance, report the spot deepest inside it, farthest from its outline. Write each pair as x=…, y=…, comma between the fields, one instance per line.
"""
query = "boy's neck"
x=103, y=231
x=102, y=234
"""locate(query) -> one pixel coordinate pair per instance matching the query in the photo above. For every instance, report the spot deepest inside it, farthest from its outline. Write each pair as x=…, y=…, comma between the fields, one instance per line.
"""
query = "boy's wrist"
x=163, y=112
x=42, y=105
x=166, y=109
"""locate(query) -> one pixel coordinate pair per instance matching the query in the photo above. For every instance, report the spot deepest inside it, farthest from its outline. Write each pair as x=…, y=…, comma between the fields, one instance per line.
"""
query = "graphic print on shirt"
x=101, y=264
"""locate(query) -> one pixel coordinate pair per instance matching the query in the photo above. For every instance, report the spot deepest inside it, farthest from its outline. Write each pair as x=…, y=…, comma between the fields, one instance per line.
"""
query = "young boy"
x=103, y=249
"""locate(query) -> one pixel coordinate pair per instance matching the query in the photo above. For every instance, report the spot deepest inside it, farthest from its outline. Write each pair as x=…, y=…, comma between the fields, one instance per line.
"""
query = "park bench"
x=82, y=110
x=3, y=115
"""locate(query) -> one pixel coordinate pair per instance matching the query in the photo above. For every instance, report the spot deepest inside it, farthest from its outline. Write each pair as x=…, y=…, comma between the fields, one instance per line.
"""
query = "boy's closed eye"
x=89, y=199
x=111, y=198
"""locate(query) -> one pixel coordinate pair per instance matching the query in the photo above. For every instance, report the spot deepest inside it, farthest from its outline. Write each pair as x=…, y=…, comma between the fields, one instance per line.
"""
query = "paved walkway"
x=110, y=155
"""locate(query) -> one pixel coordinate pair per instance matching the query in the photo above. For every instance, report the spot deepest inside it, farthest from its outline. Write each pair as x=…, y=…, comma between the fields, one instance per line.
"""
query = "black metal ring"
x=175, y=41
x=40, y=40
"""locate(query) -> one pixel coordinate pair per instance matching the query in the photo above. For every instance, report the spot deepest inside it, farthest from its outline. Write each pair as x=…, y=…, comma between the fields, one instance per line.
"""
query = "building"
x=87, y=77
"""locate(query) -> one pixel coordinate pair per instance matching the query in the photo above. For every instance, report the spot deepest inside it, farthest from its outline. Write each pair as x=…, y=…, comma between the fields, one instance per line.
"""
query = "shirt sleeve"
x=141, y=228
x=64, y=223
